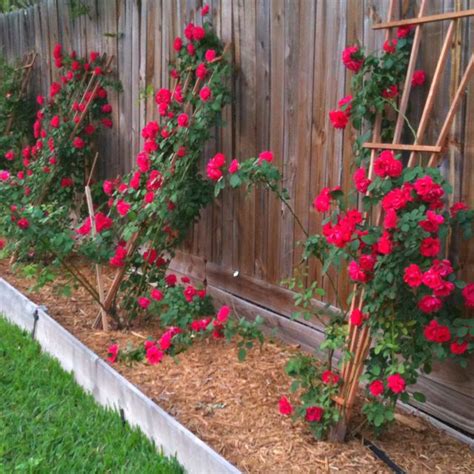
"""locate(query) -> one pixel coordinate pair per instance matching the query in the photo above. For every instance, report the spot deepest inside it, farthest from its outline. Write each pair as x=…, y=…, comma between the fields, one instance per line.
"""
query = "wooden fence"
x=288, y=76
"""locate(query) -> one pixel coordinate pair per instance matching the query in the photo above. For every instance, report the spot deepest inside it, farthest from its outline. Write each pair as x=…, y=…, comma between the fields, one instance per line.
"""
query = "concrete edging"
x=109, y=388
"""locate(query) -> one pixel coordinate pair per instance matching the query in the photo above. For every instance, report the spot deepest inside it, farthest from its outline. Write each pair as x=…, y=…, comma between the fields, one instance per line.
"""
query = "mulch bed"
x=233, y=406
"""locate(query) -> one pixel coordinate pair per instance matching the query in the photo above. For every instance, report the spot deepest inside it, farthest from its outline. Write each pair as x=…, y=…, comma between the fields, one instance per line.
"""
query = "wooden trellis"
x=359, y=339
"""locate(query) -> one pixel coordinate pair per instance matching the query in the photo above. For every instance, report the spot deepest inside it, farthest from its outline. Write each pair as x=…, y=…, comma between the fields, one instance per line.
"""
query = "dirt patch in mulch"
x=233, y=406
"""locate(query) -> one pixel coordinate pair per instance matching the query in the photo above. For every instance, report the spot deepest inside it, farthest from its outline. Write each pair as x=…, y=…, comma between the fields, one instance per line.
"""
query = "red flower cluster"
x=341, y=233
x=340, y=117
x=353, y=58
x=386, y=165
x=214, y=167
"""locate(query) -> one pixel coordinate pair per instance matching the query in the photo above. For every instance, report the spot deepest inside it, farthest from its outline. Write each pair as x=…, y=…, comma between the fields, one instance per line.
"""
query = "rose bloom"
x=285, y=406
x=357, y=317
x=171, y=279
x=183, y=120
x=78, y=143
x=265, y=156
x=458, y=348
x=4, y=175
x=156, y=294
x=210, y=55
x=436, y=332
x=322, y=202
x=153, y=355
x=468, y=294
x=23, y=223
x=112, y=353
x=143, y=302
x=329, y=378
x=430, y=247
x=223, y=314
x=191, y=49
x=55, y=121
x=387, y=165
x=351, y=58
x=189, y=293
x=376, y=388
x=384, y=244
x=390, y=46
x=314, y=414
x=430, y=304
x=390, y=92
x=456, y=207
x=201, y=71
x=123, y=207
x=413, y=276
x=67, y=182
x=234, y=166
x=361, y=181
x=178, y=43
x=390, y=220
x=396, y=383
x=356, y=273
x=419, y=78
x=108, y=187
x=205, y=93
x=345, y=104
x=102, y=222
x=338, y=118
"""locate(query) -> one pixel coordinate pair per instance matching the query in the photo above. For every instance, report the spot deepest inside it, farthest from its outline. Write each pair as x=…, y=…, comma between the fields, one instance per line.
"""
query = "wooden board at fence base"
x=316, y=83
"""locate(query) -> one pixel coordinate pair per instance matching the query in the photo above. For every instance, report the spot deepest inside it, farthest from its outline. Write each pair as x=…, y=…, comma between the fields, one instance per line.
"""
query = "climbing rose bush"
x=415, y=304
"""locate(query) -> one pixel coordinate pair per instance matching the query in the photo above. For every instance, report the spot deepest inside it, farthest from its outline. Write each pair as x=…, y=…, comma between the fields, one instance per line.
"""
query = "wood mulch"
x=233, y=406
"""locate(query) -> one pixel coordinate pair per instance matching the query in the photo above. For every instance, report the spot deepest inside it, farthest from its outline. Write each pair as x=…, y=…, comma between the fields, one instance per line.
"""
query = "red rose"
x=57, y=51
x=404, y=31
x=67, y=182
x=329, y=378
x=112, y=353
x=265, y=156
x=352, y=58
x=123, y=207
x=384, y=244
x=432, y=279
x=163, y=96
x=285, y=406
x=205, y=93
x=183, y=120
x=387, y=165
x=436, y=332
x=322, y=202
x=314, y=414
x=210, y=55
x=430, y=304
x=367, y=262
x=143, y=162
x=468, y=294
x=361, y=181
x=234, y=166
x=106, y=122
x=10, y=155
x=456, y=207
x=390, y=220
x=223, y=314
x=40, y=99
x=189, y=293
x=201, y=71
x=376, y=388
x=4, y=175
x=191, y=49
x=153, y=355
x=171, y=279
x=390, y=92
x=205, y=10
x=396, y=383
x=102, y=222
x=143, y=302
x=23, y=223
x=432, y=222
x=338, y=118
x=54, y=89
x=108, y=187
x=397, y=198
x=419, y=78
x=55, y=121
x=156, y=294
x=427, y=189
x=357, y=317
x=458, y=348
x=85, y=227
x=178, y=43
x=390, y=46
x=356, y=273
x=198, y=33
x=2, y=244
x=345, y=104
x=106, y=109
x=430, y=247
x=78, y=143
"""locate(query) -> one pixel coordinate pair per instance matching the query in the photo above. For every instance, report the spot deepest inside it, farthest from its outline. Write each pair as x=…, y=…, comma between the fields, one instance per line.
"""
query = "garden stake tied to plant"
x=359, y=339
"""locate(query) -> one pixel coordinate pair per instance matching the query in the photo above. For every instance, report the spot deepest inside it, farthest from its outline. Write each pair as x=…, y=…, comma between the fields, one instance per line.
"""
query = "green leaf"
x=242, y=354
x=419, y=397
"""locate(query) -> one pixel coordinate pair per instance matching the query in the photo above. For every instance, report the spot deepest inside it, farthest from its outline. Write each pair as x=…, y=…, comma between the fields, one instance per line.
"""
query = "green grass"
x=49, y=425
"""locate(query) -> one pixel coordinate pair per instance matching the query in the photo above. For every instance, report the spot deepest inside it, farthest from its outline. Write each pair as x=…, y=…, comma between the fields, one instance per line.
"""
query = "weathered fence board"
x=288, y=75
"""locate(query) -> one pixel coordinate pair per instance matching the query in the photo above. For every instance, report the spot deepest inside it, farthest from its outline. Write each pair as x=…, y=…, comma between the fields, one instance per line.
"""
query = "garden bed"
x=233, y=406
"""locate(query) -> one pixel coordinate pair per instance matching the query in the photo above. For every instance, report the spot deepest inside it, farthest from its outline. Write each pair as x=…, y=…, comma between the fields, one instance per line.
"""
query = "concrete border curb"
x=109, y=388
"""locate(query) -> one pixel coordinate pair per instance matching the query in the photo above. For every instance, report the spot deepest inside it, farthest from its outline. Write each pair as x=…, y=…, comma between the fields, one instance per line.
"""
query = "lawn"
x=49, y=425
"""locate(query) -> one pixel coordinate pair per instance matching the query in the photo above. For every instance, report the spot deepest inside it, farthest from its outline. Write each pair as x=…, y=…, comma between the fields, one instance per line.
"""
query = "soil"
x=233, y=406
